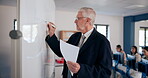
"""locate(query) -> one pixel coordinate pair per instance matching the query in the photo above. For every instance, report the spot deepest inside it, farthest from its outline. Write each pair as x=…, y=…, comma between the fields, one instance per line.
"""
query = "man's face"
x=80, y=22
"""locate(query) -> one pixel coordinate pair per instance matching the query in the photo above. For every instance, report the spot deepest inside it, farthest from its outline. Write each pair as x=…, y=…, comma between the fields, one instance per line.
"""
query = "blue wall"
x=129, y=30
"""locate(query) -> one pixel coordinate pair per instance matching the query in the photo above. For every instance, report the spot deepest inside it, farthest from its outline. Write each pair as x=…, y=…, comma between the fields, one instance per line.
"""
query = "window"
x=102, y=28
x=143, y=37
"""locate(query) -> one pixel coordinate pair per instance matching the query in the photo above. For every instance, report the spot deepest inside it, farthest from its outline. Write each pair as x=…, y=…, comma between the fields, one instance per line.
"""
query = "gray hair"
x=88, y=12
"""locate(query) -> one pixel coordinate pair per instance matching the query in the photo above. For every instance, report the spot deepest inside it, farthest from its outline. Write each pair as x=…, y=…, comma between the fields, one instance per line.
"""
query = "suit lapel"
x=89, y=41
x=76, y=42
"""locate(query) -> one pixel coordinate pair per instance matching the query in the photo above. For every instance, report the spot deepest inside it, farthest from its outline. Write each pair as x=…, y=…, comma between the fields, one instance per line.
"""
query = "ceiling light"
x=135, y=6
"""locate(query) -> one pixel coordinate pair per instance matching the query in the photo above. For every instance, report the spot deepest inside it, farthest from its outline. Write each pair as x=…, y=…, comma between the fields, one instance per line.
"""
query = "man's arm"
x=52, y=40
x=54, y=44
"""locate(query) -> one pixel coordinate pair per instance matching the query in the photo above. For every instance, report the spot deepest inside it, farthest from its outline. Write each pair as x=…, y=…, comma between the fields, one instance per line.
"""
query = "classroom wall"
x=7, y=15
x=65, y=21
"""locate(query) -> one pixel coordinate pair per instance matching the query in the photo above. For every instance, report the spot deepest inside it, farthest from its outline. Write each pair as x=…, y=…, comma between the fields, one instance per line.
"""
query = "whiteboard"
x=33, y=14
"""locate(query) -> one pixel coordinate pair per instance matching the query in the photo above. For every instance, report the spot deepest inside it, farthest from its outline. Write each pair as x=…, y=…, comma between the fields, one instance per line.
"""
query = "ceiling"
x=108, y=7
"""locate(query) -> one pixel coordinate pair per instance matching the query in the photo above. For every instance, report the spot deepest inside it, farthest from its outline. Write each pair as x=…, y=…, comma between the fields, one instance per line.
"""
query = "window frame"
x=96, y=25
x=145, y=28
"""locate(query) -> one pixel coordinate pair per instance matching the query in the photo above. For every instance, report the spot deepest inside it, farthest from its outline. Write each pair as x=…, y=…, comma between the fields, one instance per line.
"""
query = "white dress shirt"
x=87, y=34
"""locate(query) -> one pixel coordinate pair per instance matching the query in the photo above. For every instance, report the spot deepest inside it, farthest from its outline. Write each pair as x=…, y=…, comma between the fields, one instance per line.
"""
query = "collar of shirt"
x=87, y=34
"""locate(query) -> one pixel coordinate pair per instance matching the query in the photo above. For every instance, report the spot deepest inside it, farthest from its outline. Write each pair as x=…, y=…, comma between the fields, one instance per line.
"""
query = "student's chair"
x=143, y=67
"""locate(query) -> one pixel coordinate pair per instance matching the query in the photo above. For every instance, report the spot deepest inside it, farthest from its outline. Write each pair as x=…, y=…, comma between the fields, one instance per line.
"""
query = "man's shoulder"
x=100, y=36
x=76, y=34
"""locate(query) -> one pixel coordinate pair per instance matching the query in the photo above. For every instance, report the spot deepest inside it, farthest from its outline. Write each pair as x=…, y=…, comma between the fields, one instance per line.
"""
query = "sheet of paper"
x=69, y=52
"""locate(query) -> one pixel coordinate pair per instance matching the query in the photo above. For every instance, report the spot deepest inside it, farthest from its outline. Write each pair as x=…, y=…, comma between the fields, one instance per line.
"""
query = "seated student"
x=145, y=51
x=141, y=66
x=119, y=49
x=134, y=73
x=120, y=67
x=135, y=53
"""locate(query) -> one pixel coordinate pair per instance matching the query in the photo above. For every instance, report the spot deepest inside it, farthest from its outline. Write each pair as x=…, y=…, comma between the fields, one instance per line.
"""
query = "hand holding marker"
x=51, y=24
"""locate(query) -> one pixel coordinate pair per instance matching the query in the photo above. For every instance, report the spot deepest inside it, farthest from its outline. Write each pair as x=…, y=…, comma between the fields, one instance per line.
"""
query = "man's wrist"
x=51, y=34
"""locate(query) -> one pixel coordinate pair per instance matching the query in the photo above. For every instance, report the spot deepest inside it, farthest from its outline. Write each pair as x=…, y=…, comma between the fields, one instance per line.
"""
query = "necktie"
x=68, y=74
x=82, y=42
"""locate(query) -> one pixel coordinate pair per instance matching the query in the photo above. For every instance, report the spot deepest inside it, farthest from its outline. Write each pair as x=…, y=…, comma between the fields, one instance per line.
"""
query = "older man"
x=94, y=59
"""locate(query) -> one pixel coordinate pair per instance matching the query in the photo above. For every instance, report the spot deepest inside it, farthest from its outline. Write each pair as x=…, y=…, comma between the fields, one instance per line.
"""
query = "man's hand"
x=51, y=29
x=73, y=67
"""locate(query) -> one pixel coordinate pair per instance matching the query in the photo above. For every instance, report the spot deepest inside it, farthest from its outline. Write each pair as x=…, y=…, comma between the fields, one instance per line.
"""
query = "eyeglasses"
x=78, y=18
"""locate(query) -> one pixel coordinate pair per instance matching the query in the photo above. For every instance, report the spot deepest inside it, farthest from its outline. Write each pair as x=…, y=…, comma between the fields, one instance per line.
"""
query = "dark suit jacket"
x=94, y=56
